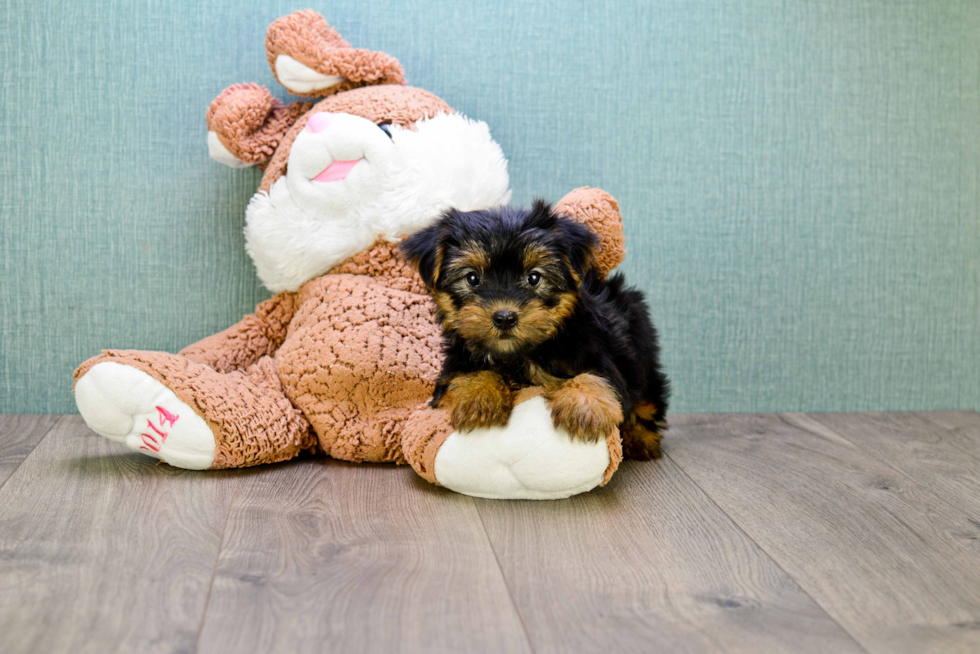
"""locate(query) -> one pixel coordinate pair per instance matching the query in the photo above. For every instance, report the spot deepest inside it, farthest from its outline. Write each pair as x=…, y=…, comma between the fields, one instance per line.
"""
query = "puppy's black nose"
x=505, y=319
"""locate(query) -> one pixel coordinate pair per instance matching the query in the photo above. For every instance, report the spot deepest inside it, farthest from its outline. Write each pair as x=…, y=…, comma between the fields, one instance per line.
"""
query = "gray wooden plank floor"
x=895, y=565
x=359, y=556
x=649, y=564
x=19, y=435
x=756, y=533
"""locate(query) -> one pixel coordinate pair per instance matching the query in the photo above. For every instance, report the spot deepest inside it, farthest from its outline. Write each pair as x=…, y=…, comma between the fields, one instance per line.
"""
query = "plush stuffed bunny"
x=343, y=359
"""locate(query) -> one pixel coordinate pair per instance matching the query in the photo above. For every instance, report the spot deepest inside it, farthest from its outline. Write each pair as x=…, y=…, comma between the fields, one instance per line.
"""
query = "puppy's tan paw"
x=586, y=407
x=480, y=399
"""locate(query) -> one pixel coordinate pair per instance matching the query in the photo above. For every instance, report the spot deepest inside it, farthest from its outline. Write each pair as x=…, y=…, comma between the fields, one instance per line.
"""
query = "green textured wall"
x=799, y=179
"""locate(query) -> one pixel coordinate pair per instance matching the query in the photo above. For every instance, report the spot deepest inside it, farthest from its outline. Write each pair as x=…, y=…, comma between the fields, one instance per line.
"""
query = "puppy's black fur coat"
x=482, y=265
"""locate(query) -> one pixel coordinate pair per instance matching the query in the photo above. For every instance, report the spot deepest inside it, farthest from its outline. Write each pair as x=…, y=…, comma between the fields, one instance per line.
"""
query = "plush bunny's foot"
x=128, y=406
x=528, y=459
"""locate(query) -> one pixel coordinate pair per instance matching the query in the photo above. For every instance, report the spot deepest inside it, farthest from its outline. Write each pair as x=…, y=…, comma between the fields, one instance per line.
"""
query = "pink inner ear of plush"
x=319, y=121
x=336, y=171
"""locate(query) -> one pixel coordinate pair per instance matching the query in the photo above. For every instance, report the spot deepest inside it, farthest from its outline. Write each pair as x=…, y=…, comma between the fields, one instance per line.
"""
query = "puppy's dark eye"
x=473, y=279
x=534, y=278
x=386, y=128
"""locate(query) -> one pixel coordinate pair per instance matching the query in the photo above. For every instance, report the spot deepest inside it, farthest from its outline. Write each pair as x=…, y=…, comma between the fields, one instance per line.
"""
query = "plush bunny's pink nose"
x=319, y=121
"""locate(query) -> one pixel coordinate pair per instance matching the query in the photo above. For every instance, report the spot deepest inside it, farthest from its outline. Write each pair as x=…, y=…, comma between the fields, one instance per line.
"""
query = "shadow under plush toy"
x=344, y=358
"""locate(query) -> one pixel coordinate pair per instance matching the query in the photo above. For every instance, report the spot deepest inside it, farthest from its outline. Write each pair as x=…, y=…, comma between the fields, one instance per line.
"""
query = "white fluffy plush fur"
x=302, y=228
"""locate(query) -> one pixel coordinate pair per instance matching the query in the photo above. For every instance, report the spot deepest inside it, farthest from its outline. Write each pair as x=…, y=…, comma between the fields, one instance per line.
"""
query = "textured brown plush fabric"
x=353, y=353
x=252, y=420
x=382, y=260
x=425, y=431
x=308, y=38
x=358, y=350
x=261, y=334
x=398, y=105
x=600, y=211
x=360, y=355
x=615, y=443
x=250, y=122
x=256, y=335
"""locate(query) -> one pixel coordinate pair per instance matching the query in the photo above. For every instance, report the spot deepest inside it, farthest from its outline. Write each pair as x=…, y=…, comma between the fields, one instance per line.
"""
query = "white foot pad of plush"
x=526, y=460
x=128, y=406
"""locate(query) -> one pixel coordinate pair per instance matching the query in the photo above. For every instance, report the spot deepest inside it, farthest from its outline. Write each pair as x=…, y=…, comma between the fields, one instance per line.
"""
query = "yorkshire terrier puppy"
x=521, y=303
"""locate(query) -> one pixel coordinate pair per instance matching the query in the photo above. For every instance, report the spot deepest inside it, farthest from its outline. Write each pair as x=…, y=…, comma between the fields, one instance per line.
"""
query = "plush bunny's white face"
x=349, y=181
x=337, y=160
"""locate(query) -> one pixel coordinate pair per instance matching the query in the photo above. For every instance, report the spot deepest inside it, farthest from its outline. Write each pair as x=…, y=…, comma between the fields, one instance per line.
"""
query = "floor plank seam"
x=57, y=422
x=871, y=454
x=503, y=577
x=214, y=571
x=769, y=556
x=858, y=518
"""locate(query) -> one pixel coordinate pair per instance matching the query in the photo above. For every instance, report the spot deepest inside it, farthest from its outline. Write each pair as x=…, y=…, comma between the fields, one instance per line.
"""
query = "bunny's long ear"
x=246, y=124
x=310, y=58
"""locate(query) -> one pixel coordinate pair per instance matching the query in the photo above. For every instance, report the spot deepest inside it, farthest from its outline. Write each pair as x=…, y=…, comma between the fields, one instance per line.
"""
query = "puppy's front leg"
x=479, y=399
x=586, y=407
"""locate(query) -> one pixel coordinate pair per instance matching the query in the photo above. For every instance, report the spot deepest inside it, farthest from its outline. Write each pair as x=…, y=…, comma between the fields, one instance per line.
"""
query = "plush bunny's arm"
x=256, y=335
x=600, y=211
x=246, y=124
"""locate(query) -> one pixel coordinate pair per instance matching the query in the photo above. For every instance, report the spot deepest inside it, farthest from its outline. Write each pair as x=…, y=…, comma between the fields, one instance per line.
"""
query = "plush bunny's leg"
x=251, y=338
x=527, y=459
x=186, y=413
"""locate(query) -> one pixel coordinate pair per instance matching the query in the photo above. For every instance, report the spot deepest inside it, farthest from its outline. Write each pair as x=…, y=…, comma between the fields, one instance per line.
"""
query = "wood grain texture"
x=963, y=428
x=101, y=550
x=894, y=564
x=19, y=435
x=649, y=563
x=322, y=555
x=756, y=533
x=943, y=458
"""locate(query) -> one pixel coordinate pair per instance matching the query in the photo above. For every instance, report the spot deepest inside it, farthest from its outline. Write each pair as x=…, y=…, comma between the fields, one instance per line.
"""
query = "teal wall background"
x=799, y=179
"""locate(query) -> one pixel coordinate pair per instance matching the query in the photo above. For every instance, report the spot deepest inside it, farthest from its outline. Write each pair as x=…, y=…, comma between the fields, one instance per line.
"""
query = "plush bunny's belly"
x=358, y=358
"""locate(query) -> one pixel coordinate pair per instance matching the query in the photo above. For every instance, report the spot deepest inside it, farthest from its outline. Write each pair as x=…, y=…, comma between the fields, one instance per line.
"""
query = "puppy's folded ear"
x=577, y=240
x=579, y=243
x=424, y=250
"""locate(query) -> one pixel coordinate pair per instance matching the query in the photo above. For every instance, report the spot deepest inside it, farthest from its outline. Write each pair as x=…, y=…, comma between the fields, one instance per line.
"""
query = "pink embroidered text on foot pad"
x=150, y=442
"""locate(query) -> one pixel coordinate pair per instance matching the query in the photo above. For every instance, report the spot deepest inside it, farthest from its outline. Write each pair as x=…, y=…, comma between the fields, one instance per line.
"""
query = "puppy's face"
x=504, y=279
